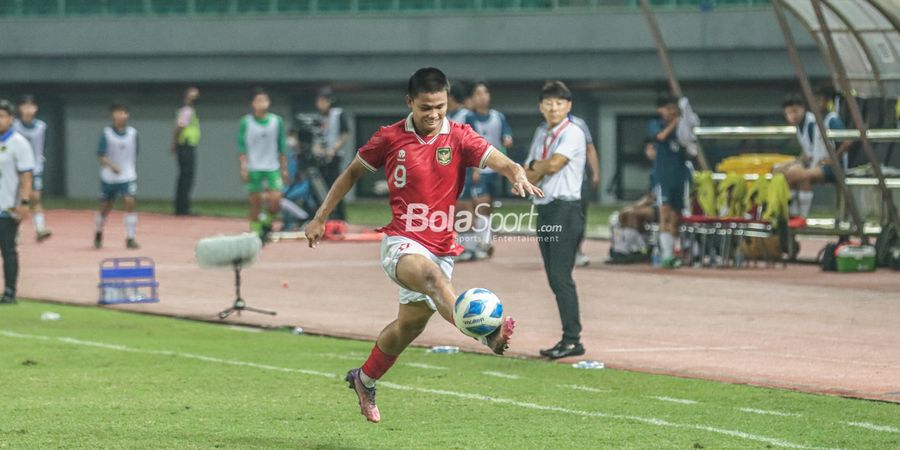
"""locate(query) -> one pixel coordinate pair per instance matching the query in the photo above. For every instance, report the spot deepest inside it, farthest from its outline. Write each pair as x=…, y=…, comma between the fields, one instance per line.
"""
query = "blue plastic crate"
x=128, y=280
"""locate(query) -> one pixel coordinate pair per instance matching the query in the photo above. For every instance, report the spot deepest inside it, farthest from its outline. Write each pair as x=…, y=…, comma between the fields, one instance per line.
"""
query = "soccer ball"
x=477, y=312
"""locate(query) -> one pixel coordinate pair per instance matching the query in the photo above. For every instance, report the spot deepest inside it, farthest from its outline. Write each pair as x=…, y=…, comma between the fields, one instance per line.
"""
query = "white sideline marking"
x=425, y=366
x=508, y=376
x=582, y=388
x=767, y=412
x=682, y=401
x=245, y=329
x=872, y=426
x=677, y=349
x=361, y=358
x=525, y=405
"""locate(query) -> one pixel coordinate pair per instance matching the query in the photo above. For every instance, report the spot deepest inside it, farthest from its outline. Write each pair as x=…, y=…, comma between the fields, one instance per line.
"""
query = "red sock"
x=378, y=363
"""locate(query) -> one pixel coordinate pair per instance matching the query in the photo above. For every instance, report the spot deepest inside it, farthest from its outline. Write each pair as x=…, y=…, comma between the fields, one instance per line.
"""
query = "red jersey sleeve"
x=474, y=148
x=373, y=153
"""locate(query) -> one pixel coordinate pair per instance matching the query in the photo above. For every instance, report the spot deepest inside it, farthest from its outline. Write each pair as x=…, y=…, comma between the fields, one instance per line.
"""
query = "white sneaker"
x=582, y=260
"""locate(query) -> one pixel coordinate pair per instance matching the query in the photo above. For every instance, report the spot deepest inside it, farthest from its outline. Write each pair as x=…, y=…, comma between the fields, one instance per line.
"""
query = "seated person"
x=813, y=164
x=297, y=197
x=628, y=243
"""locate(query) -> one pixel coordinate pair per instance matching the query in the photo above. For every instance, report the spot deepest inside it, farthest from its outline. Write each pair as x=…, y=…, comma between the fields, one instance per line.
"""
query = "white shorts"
x=394, y=247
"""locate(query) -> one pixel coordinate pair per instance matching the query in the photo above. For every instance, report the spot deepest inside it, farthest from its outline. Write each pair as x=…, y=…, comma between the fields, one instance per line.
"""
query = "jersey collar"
x=5, y=136
x=410, y=128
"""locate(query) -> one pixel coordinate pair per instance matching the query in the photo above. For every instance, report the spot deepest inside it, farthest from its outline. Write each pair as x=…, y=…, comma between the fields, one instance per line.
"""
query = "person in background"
x=16, y=166
x=492, y=125
x=628, y=244
x=262, y=144
x=556, y=162
x=336, y=133
x=184, y=145
x=671, y=172
x=35, y=130
x=117, y=153
x=814, y=163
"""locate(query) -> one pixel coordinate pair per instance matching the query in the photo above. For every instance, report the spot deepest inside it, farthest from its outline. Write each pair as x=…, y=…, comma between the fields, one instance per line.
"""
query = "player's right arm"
x=342, y=185
x=102, y=153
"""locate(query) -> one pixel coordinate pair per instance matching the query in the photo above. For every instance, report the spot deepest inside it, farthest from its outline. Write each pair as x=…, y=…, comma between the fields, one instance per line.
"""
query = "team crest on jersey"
x=444, y=155
x=401, y=155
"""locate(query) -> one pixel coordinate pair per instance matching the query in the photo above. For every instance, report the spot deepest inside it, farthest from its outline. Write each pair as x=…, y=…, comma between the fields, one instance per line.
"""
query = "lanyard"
x=555, y=136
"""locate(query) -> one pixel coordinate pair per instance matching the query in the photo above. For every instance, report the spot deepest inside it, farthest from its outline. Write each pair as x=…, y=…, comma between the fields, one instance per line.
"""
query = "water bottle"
x=50, y=316
x=655, y=257
x=588, y=365
x=444, y=349
x=297, y=331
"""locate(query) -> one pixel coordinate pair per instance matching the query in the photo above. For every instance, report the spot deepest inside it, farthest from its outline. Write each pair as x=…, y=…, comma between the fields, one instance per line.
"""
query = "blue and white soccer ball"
x=477, y=312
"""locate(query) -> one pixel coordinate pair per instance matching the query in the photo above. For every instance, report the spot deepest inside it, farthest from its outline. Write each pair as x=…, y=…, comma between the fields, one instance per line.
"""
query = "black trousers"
x=560, y=225
x=330, y=172
x=8, y=229
x=586, y=192
x=187, y=166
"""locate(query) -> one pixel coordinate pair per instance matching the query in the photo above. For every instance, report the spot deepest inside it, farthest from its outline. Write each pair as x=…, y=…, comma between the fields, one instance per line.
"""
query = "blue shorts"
x=488, y=185
x=37, y=182
x=672, y=194
x=111, y=191
x=828, y=173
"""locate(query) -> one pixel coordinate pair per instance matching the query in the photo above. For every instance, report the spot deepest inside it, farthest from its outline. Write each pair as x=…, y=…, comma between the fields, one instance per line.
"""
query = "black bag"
x=827, y=258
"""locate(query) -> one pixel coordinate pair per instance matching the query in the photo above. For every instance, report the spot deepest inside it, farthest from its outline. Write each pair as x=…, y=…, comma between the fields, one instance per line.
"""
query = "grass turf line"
x=66, y=393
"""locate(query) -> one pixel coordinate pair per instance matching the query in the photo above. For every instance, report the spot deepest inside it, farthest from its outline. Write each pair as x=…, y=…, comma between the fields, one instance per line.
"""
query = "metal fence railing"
x=79, y=8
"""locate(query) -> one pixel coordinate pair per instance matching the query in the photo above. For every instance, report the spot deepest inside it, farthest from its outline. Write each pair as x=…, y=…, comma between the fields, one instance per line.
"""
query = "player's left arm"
x=514, y=173
x=342, y=185
x=24, y=165
x=540, y=168
x=594, y=162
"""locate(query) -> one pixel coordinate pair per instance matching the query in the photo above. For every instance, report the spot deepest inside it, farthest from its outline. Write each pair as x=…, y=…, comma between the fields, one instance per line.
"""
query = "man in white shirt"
x=556, y=164
x=16, y=166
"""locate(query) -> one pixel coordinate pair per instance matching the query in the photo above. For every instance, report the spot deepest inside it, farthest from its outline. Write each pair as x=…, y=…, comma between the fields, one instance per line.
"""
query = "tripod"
x=239, y=303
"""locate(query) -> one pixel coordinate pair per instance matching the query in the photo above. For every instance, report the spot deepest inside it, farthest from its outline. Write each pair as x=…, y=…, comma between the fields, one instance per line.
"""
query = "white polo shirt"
x=565, y=139
x=16, y=157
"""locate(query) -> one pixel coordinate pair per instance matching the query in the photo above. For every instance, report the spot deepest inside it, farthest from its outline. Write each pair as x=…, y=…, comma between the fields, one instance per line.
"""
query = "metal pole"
x=663, y=53
x=808, y=94
x=853, y=106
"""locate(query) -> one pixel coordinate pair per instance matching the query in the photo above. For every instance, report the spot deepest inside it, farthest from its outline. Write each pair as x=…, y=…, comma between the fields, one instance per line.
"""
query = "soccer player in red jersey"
x=425, y=157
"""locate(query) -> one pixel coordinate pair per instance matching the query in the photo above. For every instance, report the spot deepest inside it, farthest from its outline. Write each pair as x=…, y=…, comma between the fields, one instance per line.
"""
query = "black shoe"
x=43, y=235
x=8, y=300
x=562, y=350
x=98, y=239
x=131, y=243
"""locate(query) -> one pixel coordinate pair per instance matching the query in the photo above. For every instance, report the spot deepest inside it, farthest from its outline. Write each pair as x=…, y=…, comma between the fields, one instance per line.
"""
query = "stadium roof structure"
x=866, y=35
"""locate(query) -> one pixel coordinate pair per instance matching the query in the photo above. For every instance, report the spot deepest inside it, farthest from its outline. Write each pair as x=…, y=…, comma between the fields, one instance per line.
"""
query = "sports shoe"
x=498, y=341
x=131, y=243
x=366, y=396
x=7, y=300
x=582, y=260
x=98, y=239
x=480, y=254
x=563, y=350
x=43, y=235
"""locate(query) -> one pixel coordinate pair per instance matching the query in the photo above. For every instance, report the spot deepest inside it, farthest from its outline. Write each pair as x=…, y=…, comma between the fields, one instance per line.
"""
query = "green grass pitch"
x=105, y=379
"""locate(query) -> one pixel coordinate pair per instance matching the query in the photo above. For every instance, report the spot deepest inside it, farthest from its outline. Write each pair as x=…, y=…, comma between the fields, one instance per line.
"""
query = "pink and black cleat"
x=498, y=341
x=366, y=396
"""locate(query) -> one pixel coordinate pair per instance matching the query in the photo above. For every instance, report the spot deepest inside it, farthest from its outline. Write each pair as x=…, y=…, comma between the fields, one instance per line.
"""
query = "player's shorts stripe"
x=484, y=157
x=365, y=164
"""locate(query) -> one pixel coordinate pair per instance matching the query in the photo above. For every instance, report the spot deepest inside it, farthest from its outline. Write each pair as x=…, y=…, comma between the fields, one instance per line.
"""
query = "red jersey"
x=425, y=177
